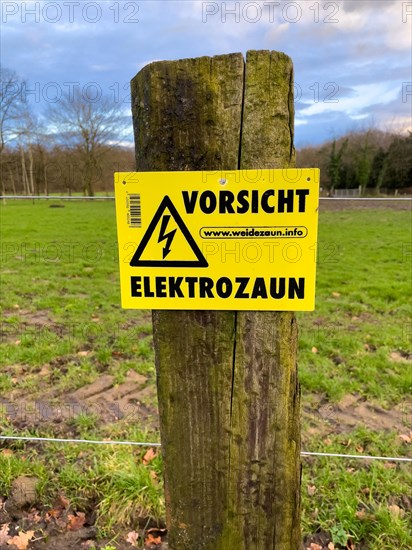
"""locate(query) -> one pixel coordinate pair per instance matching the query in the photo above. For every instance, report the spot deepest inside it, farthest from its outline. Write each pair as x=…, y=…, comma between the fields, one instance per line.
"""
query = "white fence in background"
x=347, y=193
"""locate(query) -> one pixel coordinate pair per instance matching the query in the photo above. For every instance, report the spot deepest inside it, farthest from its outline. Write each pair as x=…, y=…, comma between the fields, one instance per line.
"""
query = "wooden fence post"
x=227, y=381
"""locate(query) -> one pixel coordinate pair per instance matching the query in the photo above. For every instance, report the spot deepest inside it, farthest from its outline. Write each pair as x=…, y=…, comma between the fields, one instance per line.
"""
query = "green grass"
x=115, y=477
x=62, y=328
x=358, y=498
x=363, y=307
x=63, y=262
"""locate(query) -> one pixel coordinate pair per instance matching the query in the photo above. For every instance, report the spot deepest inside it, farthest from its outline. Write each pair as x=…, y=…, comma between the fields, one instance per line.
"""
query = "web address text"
x=278, y=231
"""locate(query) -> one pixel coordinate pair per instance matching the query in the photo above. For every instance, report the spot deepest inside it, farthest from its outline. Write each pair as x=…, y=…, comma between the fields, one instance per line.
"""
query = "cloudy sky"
x=352, y=58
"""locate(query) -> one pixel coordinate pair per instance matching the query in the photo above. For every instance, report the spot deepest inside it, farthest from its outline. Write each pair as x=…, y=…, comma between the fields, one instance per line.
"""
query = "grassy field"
x=73, y=364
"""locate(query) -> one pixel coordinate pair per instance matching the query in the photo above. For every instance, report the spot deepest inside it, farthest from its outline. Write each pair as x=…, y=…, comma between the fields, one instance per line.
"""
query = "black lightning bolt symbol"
x=166, y=236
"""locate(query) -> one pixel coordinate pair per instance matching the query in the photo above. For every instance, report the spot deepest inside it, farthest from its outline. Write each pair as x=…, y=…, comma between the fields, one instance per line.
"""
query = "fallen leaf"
x=21, y=541
x=311, y=490
x=359, y=448
x=153, y=475
x=396, y=511
x=62, y=501
x=54, y=513
x=4, y=533
x=34, y=516
x=152, y=541
x=364, y=515
x=314, y=350
x=397, y=356
x=149, y=456
x=76, y=521
x=61, y=524
x=336, y=294
x=132, y=538
x=83, y=353
x=6, y=452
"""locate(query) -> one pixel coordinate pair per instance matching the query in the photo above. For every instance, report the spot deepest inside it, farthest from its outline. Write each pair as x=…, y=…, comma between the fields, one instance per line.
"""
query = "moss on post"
x=265, y=445
x=187, y=113
x=227, y=381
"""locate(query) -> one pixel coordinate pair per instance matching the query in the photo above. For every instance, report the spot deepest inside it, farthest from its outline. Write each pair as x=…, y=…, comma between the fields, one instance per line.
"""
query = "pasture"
x=75, y=365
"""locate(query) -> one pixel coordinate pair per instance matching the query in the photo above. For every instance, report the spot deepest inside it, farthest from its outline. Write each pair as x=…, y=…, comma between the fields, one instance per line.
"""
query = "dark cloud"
x=329, y=58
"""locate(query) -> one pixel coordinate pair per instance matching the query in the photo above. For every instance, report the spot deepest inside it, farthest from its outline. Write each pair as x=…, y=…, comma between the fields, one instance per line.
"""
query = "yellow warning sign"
x=232, y=240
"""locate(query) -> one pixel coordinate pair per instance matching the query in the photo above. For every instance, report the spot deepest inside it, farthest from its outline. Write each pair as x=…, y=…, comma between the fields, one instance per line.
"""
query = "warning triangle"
x=159, y=232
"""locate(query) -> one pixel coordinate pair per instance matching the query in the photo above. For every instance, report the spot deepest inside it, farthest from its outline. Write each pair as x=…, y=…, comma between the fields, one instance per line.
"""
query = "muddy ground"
x=113, y=402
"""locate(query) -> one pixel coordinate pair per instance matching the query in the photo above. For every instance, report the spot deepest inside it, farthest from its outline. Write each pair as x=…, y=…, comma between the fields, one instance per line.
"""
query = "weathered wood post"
x=227, y=381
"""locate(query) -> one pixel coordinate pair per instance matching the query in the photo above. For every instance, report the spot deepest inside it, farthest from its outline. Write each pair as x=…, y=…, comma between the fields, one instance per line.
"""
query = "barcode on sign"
x=134, y=211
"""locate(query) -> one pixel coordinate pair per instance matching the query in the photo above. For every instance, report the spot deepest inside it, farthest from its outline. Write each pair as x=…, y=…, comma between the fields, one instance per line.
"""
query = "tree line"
x=374, y=161
x=75, y=145
x=42, y=170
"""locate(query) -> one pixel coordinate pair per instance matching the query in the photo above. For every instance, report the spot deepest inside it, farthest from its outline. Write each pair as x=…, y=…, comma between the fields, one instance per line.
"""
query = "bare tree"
x=27, y=132
x=10, y=104
x=90, y=128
